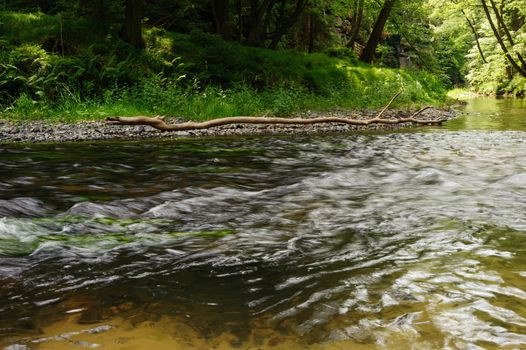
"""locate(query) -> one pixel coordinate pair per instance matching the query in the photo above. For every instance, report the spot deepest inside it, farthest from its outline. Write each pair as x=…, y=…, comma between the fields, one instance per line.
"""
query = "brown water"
x=407, y=240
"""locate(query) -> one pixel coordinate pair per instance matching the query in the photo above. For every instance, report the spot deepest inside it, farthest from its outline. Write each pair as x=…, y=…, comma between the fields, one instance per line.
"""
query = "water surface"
x=350, y=241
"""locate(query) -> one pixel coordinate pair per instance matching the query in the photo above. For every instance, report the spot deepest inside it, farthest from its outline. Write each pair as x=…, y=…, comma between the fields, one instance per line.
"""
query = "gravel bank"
x=38, y=131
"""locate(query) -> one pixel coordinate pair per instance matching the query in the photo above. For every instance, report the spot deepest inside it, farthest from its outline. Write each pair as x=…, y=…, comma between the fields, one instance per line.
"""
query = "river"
x=400, y=240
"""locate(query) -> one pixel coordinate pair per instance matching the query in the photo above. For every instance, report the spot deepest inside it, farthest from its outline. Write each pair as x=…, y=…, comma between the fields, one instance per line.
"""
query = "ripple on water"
x=384, y=241
x=22, y=206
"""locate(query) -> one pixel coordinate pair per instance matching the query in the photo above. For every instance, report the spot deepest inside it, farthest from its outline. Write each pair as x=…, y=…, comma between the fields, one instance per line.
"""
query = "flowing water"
x=406, y=240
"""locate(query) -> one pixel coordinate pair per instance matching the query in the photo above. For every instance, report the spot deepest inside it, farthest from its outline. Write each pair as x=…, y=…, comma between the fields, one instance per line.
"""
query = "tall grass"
x=196, y=76
x=211, y=103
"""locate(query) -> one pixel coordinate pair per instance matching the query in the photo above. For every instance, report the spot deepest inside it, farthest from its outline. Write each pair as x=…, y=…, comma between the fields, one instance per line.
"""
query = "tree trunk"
x=102, y=17
x=284, y=22
x=474, y=30
x=257, y=23
x=240, y=25
x=504, y=27
x=374, y=39
x=356, y=24
x=312, y=31
x=500, y=41
x=220, y=10
x=131, y=31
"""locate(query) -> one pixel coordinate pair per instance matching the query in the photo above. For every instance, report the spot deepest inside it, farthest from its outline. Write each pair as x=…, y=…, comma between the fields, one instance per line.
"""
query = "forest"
x=81, y=59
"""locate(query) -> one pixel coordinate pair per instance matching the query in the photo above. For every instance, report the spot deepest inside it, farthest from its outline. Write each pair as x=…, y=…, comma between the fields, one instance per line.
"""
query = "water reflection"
x=395, y=241
x=492, y=114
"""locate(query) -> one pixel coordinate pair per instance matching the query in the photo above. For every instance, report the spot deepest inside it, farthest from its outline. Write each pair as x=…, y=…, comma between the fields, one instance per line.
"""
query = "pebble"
x=39, y=131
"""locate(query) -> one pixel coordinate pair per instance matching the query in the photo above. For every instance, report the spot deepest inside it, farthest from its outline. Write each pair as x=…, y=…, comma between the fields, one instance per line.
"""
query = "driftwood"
x=159, y=123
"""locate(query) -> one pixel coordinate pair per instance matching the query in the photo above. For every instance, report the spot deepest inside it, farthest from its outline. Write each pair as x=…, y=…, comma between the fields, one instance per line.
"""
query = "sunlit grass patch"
x=193, y=76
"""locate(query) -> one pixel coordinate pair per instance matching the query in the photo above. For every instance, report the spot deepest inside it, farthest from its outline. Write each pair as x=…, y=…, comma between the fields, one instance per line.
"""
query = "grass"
x=195, y=76
x=212, y=103
x=462, y=94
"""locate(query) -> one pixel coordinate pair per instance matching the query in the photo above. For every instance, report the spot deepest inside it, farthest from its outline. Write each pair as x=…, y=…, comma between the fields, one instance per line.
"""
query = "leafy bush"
x=198, y=76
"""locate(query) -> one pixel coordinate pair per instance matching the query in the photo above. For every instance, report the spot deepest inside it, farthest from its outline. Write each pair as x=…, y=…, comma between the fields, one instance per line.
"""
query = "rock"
x=88, y=131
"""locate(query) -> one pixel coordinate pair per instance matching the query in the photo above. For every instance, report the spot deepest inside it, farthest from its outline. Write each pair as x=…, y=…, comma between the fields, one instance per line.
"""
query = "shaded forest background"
x=210, y=58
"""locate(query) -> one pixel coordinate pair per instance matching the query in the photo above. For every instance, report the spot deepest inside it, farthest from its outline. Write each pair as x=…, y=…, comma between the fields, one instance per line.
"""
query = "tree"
x=471, y=24
x=376, y=34
x=285, y=20
x=131, y=31
x=270, y=20
x=520, y=69
x=259, y=16
x=221, y=12
x=356, y=23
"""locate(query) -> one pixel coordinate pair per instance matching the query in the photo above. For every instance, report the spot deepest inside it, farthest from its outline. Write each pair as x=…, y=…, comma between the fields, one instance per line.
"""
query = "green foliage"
x=71, y=49
x=28, y=27
x=343, y=53
x=198, y=76
x=458, y=52
x=226, y=63
x=55, y=33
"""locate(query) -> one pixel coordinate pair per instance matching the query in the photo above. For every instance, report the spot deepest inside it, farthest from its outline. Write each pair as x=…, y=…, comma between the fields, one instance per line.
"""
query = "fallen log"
x=160, y=124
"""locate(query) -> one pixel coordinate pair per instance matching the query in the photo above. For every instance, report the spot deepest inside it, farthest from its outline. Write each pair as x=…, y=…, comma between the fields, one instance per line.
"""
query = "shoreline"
x=41, y=131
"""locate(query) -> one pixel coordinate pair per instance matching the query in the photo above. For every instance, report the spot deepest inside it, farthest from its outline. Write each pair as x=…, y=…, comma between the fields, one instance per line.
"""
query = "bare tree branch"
x=160, y=124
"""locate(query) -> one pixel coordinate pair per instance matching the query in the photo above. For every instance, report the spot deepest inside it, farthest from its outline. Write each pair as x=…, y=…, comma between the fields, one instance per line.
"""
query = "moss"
x=16, y=247
x=21, y=246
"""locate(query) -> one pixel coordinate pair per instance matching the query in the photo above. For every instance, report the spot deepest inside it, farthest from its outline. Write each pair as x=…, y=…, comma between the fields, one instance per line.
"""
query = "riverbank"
x=196, y=75
x=40, y=131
